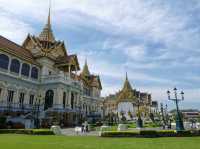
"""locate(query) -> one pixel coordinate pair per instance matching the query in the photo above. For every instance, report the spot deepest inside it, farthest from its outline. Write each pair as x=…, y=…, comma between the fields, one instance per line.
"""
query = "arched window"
x=25, y=69
x=64, y=99
x=4, y=61
x=15, y=65
x=34, y=73
x=48, y=99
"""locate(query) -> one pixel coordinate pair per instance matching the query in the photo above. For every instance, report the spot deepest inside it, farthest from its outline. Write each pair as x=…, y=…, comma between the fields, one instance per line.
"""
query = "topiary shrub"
x=148, y=133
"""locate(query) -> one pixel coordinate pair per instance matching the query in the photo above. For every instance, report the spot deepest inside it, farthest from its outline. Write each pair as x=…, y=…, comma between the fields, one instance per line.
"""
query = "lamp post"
x=162, y=115
x=179, y=121
x=138, y=103
x=37, y=110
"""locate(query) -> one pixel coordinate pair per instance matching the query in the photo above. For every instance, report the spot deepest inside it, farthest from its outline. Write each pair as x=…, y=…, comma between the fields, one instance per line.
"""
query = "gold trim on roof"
x=85, y=71
x=127, y=93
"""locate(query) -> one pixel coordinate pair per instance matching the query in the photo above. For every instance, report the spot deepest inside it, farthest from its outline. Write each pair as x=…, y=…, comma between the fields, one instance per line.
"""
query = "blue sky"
x=157, y=42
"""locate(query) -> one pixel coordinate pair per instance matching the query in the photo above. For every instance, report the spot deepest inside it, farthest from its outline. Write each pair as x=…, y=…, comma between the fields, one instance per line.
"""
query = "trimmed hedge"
x=166, y=133
x=120, y=134
x=27, y=131
x=150, y=133
x=184, y=133
x=42, y=132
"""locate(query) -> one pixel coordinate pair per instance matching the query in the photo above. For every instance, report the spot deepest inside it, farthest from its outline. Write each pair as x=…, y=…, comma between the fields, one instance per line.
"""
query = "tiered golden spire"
x=127, y=85
x=127, y=92
x=47, y=33
x=85, y=71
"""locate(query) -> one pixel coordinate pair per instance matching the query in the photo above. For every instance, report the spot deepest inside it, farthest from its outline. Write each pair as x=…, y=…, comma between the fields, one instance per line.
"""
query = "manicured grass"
x=13, y=141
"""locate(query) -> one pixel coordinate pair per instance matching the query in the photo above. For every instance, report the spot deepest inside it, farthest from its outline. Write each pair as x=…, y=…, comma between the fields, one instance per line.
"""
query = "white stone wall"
x=19, y=84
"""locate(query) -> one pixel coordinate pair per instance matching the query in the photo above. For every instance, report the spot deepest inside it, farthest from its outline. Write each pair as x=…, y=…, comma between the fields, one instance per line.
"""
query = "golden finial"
x=85, y=71
x=47, y=34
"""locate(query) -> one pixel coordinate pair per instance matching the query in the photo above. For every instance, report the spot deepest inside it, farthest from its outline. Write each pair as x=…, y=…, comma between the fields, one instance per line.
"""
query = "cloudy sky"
x=157, y=42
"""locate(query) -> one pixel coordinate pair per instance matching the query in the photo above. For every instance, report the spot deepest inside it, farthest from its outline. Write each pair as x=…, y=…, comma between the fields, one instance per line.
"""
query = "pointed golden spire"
x=127, y=85
x=85, y=71
x=47, y=34
x=127, y=92
x=49, y=17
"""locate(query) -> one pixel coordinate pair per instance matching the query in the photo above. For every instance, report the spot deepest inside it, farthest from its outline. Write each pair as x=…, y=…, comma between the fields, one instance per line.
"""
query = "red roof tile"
x=15, y=49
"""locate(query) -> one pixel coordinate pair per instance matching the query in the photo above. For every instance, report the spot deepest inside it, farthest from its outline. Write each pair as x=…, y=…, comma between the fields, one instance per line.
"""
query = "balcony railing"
x=16, y=106
x=59, y=78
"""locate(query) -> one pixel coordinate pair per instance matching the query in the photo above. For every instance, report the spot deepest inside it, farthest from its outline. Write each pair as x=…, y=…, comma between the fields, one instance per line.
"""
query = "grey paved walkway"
x=71, y=132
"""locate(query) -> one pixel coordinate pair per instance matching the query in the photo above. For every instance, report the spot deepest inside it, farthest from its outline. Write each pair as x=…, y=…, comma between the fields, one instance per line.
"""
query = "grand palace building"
x=41, y=81
x=127, y=102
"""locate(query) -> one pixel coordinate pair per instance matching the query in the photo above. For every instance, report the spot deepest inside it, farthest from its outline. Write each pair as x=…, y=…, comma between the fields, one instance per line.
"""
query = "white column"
x=20, y=69
x=58, y=98
x=10, y=59
x=76, y=70
x=16, y=97
x=69, y=98
x=69, y=69
x=27, y=97
x=4, y=95
x=30, y=72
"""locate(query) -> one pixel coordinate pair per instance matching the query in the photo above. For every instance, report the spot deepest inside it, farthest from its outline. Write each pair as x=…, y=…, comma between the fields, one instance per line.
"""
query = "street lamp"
x=37, y=111
x=163, y=115
x=179, y=121
x=138, y=103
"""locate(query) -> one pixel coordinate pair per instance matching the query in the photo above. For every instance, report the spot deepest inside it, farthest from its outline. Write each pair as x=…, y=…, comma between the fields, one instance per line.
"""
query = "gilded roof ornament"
x=85, y=71
x=47, y=33
x=127, y=93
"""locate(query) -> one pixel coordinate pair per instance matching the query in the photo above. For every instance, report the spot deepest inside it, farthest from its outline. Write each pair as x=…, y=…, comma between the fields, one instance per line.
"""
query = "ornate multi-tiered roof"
x=127, y=93
x=45, y=45
x=88, y=79
x=47, y=33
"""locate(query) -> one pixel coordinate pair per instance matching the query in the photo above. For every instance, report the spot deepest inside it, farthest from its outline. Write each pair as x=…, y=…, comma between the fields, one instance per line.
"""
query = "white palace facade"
x=41, y=81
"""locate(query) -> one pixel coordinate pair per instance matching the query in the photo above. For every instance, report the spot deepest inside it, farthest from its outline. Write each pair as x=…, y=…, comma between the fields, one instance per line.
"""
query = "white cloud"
x=135, y=52
x=148, y=21
x=13, y=28
x=117, y=71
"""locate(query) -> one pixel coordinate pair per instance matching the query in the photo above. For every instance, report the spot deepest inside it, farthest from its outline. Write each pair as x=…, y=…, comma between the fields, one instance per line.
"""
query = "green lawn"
x=12, y=141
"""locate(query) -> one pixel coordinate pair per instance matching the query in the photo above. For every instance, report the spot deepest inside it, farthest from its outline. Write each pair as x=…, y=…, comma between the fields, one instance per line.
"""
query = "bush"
x=27, y=131
x=131, y=125
x=119, y=134
x=16, y=131
x=2, y=120
x=151, y=133
x=166, y=133
x=18, y=126
x=151, y=125
x=42, y=132
x=184, y=133
x=148, y=133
